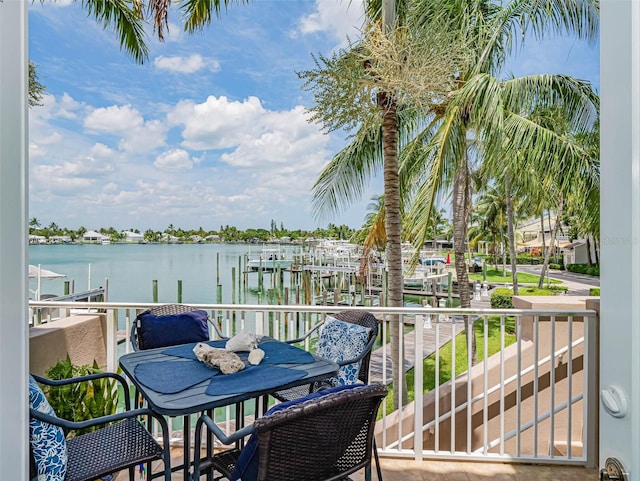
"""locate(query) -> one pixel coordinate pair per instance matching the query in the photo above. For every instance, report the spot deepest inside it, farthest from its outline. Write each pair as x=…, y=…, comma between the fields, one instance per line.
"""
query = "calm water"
x=131, y=269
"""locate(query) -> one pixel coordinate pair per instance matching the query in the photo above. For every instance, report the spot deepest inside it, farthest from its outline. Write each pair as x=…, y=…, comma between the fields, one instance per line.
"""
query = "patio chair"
x=355, y=368
x=120, y=442
x=324, y=436
x=171, y=324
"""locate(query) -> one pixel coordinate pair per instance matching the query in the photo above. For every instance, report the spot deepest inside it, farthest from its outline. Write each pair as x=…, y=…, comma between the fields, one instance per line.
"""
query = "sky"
x=212, y=130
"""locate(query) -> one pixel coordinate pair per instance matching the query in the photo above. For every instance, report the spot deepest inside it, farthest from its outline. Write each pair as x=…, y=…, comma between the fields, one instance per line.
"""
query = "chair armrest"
x=69, y=425
x=365, y=351
x=306, y=335
x=133, y=335
x=89, y=377
x=213, y=427
x=216, y=328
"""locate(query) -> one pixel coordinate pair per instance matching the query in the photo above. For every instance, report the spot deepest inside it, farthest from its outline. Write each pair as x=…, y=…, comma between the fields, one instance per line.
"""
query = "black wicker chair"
x=121, y=443
x=361, y=318
x=167, y=310
x=318, y=439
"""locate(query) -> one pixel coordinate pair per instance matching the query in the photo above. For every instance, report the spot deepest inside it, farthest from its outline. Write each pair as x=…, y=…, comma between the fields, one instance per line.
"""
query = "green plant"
x=591, y=270
x=501, y=298
x=84, y=400
x=594, y=291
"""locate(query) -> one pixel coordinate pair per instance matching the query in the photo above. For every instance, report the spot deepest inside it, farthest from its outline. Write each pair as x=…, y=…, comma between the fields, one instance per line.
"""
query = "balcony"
x=529, y=411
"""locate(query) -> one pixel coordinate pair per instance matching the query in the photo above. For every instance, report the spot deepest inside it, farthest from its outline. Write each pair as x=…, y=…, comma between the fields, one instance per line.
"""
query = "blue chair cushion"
x=170, y=330
x=340, y=341
x=48, y=444
x=246, y=468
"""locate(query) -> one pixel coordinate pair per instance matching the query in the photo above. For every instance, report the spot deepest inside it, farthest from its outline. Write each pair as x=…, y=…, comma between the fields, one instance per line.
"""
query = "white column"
x=620, y=230
x=13, y=240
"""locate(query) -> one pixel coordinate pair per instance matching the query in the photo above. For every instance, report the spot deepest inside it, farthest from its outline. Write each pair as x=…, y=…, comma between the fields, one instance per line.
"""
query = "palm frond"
x=125, y=21
x=344, y=179
x=198, y=13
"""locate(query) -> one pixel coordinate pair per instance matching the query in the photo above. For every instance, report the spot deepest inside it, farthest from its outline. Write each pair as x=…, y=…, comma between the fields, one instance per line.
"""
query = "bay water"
x=132, y=268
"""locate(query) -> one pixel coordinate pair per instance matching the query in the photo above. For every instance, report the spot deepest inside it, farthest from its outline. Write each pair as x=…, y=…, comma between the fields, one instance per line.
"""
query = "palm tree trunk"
x=510, y=233
x=393, y=248
x=556, y=228
x=460, y=219
x=504, y=253
x=544, y=242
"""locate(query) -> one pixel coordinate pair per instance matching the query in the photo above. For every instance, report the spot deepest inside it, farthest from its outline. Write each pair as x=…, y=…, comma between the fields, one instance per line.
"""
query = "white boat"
x=105, y=241
x=270, y=259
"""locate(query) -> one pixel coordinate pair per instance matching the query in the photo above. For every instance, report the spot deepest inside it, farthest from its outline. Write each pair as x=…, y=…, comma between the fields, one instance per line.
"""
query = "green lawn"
x=461, y=356
x=497, y=276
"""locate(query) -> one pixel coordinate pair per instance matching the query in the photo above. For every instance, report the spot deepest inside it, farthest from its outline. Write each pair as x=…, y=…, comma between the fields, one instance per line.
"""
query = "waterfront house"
x=132, y=237
x=93, y=237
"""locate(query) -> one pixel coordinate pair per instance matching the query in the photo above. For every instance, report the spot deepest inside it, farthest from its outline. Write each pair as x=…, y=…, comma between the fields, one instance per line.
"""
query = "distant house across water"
x=132, y=237
x=92, y=236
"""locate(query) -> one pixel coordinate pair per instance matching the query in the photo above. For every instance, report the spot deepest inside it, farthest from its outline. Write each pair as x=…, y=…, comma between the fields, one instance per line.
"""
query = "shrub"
x=81, y=401
x=594, y=291
x=591, y=270
x=501, y=298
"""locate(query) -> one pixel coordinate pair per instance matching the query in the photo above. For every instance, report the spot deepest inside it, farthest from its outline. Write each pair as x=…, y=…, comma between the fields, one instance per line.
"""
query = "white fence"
x=533, y=401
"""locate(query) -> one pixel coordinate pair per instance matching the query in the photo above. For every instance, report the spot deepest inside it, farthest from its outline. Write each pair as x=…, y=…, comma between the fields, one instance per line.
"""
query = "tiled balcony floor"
x=394, y=469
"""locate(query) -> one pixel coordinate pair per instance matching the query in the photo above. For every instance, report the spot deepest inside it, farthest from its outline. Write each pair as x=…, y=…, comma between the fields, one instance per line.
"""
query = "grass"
x=429, y=362
x=534, y=291
x=497, y=276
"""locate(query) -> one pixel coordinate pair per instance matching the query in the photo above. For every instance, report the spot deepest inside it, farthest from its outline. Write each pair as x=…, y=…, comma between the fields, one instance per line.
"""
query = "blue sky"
x=212, y=129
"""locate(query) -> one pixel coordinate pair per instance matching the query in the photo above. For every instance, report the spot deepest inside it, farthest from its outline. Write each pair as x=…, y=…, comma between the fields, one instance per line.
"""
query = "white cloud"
x=340, y=19
x=114, y=119
x=217, y=123
x=146, y=138
x=174, y=160
x=136, y=134
x=99, y=150
x=174, y=33
x=191, y=64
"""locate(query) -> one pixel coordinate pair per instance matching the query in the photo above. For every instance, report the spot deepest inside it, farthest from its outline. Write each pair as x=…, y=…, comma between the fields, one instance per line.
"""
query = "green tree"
x=373, y=89
x=36, y=88
x=483, y=117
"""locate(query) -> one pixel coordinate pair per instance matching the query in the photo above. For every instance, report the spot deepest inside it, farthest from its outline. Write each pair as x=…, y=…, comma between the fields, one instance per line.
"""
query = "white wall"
x=620, y=228
x=13, y=240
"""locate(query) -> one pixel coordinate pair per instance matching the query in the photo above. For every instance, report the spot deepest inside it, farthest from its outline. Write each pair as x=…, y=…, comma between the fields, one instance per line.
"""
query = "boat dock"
x=376, y=367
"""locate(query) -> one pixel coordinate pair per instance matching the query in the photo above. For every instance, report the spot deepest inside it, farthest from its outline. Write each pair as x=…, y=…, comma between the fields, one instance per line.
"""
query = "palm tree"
x=491, y=214
x=126, y=19
x=482, y=117
x=365, y=90
x=373, y=234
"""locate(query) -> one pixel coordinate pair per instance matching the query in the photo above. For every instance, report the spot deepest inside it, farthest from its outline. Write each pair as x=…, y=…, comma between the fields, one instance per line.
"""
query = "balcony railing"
x=534, y=400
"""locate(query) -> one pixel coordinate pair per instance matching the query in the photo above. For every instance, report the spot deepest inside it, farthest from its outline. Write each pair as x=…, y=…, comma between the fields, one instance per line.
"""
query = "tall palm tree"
x=372, y=89
x=482, y=117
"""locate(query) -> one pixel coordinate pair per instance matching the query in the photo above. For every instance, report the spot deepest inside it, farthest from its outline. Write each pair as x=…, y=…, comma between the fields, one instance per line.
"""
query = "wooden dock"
x=429, y=347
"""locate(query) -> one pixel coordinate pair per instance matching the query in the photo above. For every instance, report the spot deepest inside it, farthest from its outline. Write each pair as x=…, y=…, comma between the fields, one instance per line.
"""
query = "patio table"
x=174, y=383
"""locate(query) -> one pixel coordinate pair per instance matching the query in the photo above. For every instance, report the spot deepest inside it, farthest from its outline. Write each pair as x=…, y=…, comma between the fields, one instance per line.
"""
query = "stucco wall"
x=83, y=337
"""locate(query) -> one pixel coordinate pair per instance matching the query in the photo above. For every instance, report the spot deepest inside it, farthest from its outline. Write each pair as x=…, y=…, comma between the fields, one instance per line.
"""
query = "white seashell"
x=256, y=356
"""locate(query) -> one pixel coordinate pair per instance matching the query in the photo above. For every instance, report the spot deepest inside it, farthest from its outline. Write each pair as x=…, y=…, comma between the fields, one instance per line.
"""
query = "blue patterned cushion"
x=48, y=443
x=341, y=341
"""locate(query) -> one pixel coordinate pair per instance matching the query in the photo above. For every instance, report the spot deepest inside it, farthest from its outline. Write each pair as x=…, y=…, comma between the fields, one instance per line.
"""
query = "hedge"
x=501, y=298
x=591, y=270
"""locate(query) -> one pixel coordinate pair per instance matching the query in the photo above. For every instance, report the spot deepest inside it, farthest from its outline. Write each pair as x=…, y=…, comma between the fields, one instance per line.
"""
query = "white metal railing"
x=534, y=400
